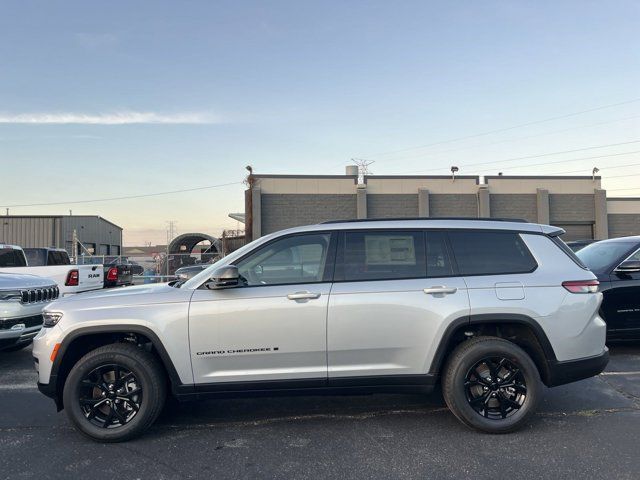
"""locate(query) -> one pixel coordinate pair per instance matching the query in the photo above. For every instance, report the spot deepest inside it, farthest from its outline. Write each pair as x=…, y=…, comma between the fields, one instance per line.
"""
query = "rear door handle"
x=303, y=296
x=440, y=290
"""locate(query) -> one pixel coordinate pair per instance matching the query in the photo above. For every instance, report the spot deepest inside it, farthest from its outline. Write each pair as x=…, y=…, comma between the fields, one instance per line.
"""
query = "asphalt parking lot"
x=587, y=429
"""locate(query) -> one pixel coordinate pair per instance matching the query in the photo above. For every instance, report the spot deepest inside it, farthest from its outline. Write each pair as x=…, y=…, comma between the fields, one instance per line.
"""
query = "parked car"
x=616, y=263
x=69, y=278
x=185, y=273
x=492, y=310
x=577, y=245
x=22, y=298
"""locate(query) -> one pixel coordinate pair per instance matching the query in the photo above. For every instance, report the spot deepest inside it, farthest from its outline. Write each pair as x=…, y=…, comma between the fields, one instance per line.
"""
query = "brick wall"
x=514, y=206
x=291, y=210
x=453, y=205
x=623, y=224
x=392, y=205
x=571, y=208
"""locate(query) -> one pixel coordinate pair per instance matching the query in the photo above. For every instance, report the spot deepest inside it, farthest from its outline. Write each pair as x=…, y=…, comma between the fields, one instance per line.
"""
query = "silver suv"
x=490, y=309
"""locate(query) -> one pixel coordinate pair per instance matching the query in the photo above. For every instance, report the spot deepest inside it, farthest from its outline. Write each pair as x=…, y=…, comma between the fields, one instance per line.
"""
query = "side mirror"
x=628, y=266
x=224, y=277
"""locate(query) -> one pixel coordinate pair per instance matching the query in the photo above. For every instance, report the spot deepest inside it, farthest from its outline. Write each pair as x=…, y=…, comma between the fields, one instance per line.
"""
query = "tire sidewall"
x=457, y=377
x=71, y=395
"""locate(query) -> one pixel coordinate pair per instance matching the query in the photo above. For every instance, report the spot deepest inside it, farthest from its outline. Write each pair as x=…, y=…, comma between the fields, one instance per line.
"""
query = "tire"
x=490, y=384
x=115, y=392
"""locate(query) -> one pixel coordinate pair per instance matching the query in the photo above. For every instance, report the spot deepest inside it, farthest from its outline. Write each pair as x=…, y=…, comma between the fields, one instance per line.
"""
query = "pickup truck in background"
x=54, y=264
x=118, y=272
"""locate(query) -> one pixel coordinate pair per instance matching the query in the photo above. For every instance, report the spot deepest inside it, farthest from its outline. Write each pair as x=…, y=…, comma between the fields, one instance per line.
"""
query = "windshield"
x=605, y=255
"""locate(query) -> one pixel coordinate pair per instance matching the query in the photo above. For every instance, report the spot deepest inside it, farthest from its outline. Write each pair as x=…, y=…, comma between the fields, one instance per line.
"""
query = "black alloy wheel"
x=115, y=392
x=110, y=396
x=495, y=387
x=491, y=384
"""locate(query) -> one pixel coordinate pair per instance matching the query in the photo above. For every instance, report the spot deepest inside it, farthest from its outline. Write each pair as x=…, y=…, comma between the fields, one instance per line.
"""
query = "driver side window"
x=296, y=259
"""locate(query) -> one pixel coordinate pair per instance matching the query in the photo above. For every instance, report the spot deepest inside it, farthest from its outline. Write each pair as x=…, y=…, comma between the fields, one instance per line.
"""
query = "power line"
x=499, y=130
x=128, y=197
x=513, y=159
x=404, y=157
x=608, y=168
x=573, y=160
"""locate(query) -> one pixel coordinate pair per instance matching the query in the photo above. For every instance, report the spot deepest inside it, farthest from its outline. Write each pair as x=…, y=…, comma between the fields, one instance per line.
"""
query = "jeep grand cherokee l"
x=493, y=310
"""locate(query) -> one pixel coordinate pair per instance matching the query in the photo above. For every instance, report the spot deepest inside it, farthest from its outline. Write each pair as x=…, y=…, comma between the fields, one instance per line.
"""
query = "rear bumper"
x=561, y=373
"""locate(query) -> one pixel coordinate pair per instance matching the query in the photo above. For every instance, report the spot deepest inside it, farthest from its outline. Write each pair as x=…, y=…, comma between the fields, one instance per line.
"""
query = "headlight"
x=10, y=295
x=51, y=318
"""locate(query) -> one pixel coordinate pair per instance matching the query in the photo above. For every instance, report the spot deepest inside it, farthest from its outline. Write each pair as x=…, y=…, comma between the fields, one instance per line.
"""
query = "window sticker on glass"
x=389, y=250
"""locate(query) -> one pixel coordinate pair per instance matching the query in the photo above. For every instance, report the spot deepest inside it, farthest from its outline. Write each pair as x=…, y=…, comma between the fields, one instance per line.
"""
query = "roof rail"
x=477, y=219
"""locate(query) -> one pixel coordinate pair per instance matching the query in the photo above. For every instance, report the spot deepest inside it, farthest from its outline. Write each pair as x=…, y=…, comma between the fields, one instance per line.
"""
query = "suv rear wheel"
x=114, y=393
x=491, y=384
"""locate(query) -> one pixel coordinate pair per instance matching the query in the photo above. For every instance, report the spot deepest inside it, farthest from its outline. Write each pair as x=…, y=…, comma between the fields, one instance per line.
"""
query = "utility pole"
x=363, y=168
x=171, y=230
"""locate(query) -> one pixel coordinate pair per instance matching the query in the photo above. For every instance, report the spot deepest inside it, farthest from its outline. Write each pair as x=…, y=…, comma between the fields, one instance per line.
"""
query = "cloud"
x=117, y=118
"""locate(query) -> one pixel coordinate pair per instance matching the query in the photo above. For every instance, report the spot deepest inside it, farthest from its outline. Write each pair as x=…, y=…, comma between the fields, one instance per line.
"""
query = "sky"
x=102, y=100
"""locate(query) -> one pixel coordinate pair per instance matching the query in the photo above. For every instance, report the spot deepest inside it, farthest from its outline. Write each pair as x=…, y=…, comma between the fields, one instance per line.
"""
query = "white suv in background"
x=491, y=309
x=22, y=298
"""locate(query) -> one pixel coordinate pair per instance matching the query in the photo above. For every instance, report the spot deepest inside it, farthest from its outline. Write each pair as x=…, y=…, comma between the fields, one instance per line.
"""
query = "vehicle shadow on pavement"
x=276, y=407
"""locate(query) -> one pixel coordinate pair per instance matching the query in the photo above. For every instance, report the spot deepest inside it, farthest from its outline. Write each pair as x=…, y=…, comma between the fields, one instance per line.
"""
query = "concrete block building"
x=577, y=204
x=94, y=232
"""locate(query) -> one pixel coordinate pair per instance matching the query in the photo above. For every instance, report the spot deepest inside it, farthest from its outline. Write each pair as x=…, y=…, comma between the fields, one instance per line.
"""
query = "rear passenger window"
x=438, y=261
x=384, y=255
x=491, y=253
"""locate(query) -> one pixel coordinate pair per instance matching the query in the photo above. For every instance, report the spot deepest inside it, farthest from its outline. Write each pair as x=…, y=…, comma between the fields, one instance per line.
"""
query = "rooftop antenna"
x=454, y=169
x=363, y=168
x=593, y=173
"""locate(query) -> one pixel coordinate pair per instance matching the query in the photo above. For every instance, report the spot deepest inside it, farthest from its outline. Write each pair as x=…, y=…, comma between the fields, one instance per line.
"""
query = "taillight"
x=73, y=278
x=112, y=274
x=582, y=286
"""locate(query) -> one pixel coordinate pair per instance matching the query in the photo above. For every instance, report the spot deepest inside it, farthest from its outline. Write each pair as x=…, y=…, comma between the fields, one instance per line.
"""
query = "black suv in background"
x=616, y=263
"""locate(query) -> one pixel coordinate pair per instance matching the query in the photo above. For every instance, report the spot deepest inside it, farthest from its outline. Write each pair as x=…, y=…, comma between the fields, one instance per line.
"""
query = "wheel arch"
x=85, y=339
x=522, y=330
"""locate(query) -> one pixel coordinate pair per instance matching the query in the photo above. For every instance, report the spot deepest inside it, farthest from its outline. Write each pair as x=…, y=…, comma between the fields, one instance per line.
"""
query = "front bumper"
x=569, y=371
x=10, y=338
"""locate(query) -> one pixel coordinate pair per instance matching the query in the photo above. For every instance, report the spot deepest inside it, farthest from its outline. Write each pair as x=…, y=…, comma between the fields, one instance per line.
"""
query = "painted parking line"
x=19, y=386
x=621, y=373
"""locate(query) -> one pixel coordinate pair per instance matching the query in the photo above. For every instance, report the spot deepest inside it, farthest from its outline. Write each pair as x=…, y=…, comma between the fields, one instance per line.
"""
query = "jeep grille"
x=34, y=295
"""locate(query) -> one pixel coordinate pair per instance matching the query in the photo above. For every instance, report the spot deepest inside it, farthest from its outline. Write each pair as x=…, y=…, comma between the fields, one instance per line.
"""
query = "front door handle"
x=442, y=290
x=303, y=296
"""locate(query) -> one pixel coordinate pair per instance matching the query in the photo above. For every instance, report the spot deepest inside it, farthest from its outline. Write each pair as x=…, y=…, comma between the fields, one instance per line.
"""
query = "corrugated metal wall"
x=36, y=231
x=30, y=231
x=93, y=231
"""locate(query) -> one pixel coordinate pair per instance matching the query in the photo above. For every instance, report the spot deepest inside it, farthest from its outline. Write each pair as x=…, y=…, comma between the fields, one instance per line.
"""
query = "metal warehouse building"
x=104, y=237
x=577, y=204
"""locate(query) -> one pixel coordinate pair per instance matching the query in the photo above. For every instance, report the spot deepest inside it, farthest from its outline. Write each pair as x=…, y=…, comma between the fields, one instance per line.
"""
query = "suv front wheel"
x=491, y=384
x=115, y=392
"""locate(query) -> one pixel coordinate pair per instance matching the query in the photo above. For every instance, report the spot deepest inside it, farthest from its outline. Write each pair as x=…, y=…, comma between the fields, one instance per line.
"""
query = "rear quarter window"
x=491, y=253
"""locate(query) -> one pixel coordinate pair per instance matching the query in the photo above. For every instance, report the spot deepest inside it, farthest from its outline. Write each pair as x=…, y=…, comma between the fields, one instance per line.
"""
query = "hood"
x=11, y=281
x=125, y=296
